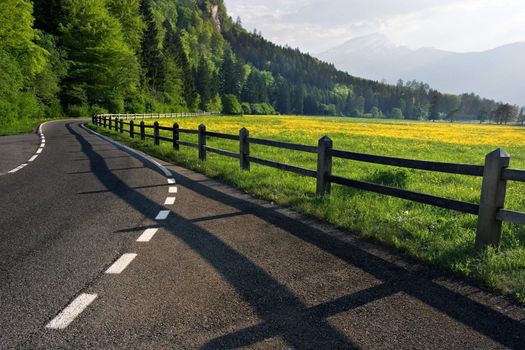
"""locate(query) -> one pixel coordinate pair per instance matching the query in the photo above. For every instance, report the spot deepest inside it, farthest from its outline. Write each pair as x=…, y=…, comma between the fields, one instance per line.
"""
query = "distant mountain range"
x=496, y=74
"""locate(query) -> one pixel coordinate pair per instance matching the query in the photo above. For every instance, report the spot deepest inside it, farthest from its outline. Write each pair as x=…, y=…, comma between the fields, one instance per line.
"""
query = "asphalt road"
x=222, y=271
x=16, y=150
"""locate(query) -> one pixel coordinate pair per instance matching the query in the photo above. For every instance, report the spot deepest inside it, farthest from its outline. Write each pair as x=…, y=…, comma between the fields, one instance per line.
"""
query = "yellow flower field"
x=461, y=134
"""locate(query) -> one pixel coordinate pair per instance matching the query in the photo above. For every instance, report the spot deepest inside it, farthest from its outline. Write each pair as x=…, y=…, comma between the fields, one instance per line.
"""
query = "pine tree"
x=129, y=15
x=152, y=59
x=434, y=107
x=173, y=49
x=203, y=84
x=283, y=97
x=231, y=75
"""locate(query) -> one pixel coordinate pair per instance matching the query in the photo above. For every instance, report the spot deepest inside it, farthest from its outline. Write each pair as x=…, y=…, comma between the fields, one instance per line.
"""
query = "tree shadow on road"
x=281, y=312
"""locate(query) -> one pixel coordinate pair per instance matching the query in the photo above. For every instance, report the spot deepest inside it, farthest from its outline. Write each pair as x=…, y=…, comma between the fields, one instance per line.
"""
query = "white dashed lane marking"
x=77, y=306
x=40, y=149
x=162, y=215
x=147, y=235
x=69, y=314
x=121, y=264
x=170, y=201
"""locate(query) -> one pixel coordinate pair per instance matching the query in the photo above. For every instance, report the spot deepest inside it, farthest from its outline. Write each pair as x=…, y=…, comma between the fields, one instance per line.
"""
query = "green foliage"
x=174, y=52
x=231, y=75
x=246, y=108
x=262, y=109
x=17, y=37
x=329, y=109
x=168, y=56
x=152, y=59
x=505, y=113
x=132, y=23
x=22, y=64
x=231, y=105
x=397, y=113
x=204, y=83
x=97, y=52
x=375, y=112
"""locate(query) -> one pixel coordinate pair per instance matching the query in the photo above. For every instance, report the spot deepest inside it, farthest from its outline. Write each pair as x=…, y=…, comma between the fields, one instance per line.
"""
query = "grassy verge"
x=20, y=126
x=437, y=236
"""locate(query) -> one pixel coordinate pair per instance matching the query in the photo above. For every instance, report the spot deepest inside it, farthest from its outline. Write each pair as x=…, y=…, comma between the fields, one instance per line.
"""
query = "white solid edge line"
x=162, y=215
x=170, y=201
x=171, y=181
x=173, y=189
x=33, y=158
x=147, y=235
x=138, y=153
x=121, y=263
x=68, y=315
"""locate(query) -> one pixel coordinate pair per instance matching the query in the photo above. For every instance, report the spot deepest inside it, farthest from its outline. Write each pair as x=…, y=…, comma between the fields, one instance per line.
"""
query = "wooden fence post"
x=492, y=199
x=132, y=128
x=176, y=145
x=105, y=122
x=110, y=122
x=202, y=142
x=244, y=149
x=121, y=125
x=156, y=133
x=324, y=166
x=142, y=131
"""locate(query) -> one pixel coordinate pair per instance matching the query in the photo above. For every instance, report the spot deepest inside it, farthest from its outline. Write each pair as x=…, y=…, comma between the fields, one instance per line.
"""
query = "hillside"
x=73, y=58
x=493, y=73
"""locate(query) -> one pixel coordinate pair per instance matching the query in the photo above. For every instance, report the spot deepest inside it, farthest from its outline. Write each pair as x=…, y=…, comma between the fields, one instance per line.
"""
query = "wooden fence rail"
x=495, y=173
x=145, y=116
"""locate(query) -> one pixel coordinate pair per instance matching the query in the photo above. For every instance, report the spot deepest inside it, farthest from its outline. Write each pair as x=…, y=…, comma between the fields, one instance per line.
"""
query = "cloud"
x=338, y=12
x=315, y=25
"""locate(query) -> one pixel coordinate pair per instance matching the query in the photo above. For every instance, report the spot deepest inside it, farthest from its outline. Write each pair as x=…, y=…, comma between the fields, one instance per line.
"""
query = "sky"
x=315, y=25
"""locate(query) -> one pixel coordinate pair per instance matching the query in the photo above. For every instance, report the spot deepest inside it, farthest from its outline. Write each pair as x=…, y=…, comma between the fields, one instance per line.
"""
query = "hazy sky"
x=315, y=25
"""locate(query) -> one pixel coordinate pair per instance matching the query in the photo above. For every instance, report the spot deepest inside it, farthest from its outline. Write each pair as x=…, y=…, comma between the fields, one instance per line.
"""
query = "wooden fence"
x=495, y=173
x=144, y=116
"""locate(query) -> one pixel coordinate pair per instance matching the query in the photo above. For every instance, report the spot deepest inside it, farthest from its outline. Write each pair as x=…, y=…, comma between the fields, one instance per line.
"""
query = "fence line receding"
x=495, y=173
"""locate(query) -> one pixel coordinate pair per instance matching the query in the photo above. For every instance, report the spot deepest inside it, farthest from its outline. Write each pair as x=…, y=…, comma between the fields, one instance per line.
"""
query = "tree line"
x=72, y=57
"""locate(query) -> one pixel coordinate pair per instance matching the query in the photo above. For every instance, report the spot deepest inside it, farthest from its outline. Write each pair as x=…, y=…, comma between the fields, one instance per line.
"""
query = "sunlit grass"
x=435, y=235
x=20, y=126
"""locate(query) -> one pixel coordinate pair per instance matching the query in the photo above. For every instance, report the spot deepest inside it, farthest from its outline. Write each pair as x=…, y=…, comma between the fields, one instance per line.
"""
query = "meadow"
x=437, y=236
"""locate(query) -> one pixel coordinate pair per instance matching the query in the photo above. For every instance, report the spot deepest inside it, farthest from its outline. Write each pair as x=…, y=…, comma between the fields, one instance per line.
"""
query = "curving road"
x=101, y=248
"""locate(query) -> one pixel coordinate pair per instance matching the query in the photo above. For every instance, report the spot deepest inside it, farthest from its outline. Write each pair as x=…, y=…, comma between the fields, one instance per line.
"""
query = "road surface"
x=101, y=248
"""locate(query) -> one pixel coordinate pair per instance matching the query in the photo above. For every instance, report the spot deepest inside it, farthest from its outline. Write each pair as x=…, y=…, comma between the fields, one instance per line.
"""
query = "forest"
x=73, y=58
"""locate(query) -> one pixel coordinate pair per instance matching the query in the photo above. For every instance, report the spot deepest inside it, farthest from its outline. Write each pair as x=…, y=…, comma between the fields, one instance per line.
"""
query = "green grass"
x=20, y=126
x=437, y=236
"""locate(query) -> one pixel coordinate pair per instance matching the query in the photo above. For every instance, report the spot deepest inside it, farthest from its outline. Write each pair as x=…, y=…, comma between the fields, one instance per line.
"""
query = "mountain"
x=493, y=74
x=74, y=58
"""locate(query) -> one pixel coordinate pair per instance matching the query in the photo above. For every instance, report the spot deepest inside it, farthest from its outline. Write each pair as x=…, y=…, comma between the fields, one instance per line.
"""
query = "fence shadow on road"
x=281, y=312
